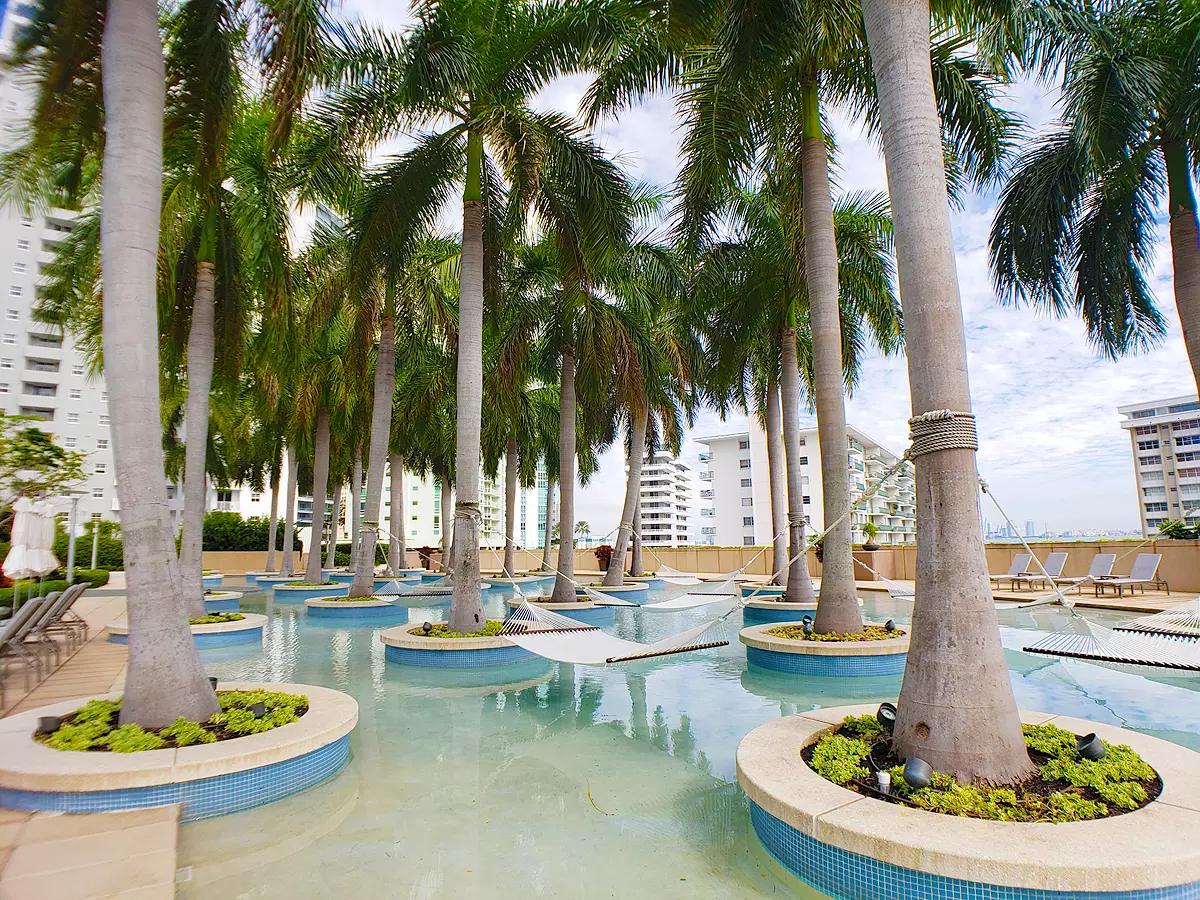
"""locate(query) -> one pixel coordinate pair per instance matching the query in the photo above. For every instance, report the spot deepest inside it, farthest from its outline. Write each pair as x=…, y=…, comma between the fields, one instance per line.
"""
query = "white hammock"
x=674, y=576
x=1105, y=645
x=563, y=639
x=393, y=589
x=602, y=599
x=1183, y=621
x=721, y=593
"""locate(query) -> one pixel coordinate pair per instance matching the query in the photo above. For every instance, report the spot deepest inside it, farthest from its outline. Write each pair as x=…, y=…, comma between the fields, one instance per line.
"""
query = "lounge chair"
x=1055, y=562
x=1019, y=567
x=1144, y=572
x=62, y=620
x=13, y=646
x=1101, y=567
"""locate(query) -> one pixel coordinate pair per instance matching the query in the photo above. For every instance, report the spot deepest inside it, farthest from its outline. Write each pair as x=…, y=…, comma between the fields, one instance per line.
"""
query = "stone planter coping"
x=222, y=595
x=617, y=588
x=249, y=623
x=26, y=765
x=1154, y=847
x=311, y=587
x=785, y=606
x=756, y=636
x=400, y=637
x=515, y=602
x=281, y=579
x=364, y=603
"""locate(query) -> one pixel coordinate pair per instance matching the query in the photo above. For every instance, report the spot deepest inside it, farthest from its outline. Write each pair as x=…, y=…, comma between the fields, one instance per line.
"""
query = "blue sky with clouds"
x=1046, y=404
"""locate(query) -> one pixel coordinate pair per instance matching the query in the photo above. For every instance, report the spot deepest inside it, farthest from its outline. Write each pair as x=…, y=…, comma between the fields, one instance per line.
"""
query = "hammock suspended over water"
x=557, y=637
x=1183, y=621
x=674, y=576
x=721, y=592
x=1106, y=645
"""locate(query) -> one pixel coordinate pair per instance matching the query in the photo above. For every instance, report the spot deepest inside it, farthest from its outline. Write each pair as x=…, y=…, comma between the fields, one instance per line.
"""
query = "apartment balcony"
x=705, y=457
x=706, y=476
x=37, y=412
x=706, y=495
x=42, y=391
x=707, y=512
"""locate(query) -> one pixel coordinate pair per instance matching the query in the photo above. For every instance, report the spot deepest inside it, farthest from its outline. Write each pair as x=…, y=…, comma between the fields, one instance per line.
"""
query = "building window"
x=10, y=338
x=1149, y=445
x=744, y=444
x=97, y=492
x=3, y=387
x=103, y=419
x=77, y=369
x=1144, y=414
x=804, y=460
x=1186, y=440
x=170, y=492
x=1190, y=456
x=15, y=290
x=1154, y=492
x=19, y=268
x=74, y=394
x=22, y=243
x=1143, y=430
x=5, y=363
x=100, y=467
x=747, y=520
x=69, y=443
x=12, y=315
x=806, y=500
x=747, y=501
x=1150, y=460
x=104, y=396
x=747, y=542
x=743, y=463
x=72, y=418
x=1183, y=407
x=1187, y=473
x=102, y=444
x=1156, y=507
x=745, y=482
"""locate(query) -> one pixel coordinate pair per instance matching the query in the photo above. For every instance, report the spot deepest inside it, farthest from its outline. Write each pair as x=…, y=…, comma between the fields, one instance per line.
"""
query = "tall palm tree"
x=471, y=68
x=956, y=685
x=1075, y=228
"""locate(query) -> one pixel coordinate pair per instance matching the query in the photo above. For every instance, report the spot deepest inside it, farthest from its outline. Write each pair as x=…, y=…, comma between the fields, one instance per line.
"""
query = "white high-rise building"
x=1164, y=437
x=666, y=495
x=735, y=489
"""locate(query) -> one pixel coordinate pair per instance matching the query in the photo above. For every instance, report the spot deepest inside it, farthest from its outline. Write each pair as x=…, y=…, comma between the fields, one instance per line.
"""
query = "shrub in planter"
x=604, y=555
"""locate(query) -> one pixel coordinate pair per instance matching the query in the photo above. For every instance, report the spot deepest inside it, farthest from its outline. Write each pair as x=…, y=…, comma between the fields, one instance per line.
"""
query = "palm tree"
x=956, y=685
x=1075, y=228
x=471, y=68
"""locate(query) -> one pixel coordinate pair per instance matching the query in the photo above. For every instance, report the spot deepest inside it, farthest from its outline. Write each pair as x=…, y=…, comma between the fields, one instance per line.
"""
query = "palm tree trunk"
x=273, y=527
x=200, y=347
x=564, y=587
x=510, y=505
x=447, y=514
x=635, y=556
x=778, y=479
x=356, y=479
x=466, y=608
x=956, y=708
x=381, y=432
x=331, y=550
x=396, y=549
x=633, y=490
x=837, y=610
x=549, y=524
x=320, y=481
x=1185, y=248
x=799, y=583
x=289, y=516
x=165, y=678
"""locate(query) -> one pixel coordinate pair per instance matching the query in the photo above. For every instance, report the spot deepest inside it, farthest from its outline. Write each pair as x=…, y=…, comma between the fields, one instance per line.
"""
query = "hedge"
x=38, y=590
x=342, y=552
x=229, y=531
x=110, y=554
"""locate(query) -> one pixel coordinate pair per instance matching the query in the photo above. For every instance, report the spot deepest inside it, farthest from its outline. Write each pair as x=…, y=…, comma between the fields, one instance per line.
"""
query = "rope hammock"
x=719, y=593
x=1183, y=621
x=1106, y=645
x=393, y=589
x=895, y=589
x=557, y=637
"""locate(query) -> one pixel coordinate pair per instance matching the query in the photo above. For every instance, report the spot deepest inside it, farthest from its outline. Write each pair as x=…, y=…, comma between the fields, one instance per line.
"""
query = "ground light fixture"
x=806, y=626
x=889, y=626
x=1090, y=747
x=48, y=724
x=886, y=717
x=427, y=627
x=917, y=773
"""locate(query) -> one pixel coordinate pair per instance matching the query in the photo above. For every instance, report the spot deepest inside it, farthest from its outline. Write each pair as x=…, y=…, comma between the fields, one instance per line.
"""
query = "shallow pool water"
x=567, y=781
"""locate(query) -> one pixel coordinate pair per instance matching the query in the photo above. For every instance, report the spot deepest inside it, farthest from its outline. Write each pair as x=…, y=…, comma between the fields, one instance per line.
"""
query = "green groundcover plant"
x=94, y=725
x=1066, y=788
x=217, y=618
x=442, y=630
x=304, y=584
x=869, y=633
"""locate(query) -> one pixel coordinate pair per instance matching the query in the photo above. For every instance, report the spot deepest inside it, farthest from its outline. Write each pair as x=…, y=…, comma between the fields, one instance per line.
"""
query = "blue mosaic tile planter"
x=849, y=876
x=299, y=595
x=212, y=581
x=752, y=615
x=229, y=604
x=427, y=577
x=367, y=614
x=654, y=584
x=636, y=593
x=204, y=798
x=340, y=577
x=457, y=659
x=827, y=666
x=775, y=590
x=252, y=634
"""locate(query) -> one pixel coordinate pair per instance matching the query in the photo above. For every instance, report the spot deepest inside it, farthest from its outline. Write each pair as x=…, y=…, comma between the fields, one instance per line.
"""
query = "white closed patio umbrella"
x=32, y=541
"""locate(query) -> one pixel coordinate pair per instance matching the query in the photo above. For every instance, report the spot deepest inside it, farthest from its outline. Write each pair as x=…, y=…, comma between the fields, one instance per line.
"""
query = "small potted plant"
x=870, y=529
x=604, y=555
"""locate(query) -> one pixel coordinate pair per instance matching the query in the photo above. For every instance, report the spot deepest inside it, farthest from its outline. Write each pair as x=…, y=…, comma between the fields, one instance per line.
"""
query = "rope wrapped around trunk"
x=797, y=520
x=466, y=510
x=941, y=429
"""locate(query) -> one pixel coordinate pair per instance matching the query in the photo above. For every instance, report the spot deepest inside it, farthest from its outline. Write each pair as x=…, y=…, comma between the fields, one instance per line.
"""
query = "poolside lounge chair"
x=1144, y=572
x=13, y=645
x=1019, y=567
x=1101, y=567
x=1054, y=565
x=62, y=620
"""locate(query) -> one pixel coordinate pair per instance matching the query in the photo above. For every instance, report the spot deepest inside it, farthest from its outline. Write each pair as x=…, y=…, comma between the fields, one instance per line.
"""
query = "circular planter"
x=823, y=658
x=368, y=608
x=224, y=601
x=407, y=649
x=507, y=584
x=427, y=576
x=631, y=592
x=271, y=579
x=581, y=612
x=849, y=845
x=338, y=575
x=219, y=634
x=418, y=571
x=213, y=580
x=654, y=584
x=285, y=593
x=252, y=577
x=207, y=779
x=399, y=579
x=758, y=612
x=761, y=590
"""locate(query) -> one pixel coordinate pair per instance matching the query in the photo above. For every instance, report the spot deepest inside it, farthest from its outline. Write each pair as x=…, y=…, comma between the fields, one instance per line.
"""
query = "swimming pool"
x=569, y=782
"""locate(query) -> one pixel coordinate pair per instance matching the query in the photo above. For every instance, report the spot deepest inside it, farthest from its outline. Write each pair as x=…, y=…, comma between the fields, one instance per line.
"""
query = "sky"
x=1046, y=404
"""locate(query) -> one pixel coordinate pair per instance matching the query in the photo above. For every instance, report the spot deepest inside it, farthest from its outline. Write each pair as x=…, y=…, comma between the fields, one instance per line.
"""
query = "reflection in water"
x=574, y=782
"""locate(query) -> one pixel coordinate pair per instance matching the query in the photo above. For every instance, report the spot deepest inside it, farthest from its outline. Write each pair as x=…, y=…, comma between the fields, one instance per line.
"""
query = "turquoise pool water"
x=568, y=781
